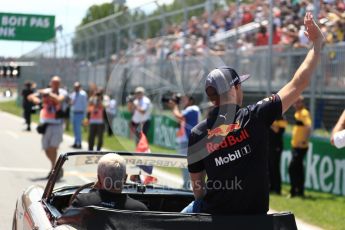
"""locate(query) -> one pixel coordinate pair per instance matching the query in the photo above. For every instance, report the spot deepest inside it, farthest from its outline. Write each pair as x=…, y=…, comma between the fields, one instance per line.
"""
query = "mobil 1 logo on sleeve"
x=26, y=27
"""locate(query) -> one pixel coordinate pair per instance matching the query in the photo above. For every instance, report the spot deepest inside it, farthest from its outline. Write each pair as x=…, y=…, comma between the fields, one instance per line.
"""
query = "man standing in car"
x=229, y=146
x=52, y=99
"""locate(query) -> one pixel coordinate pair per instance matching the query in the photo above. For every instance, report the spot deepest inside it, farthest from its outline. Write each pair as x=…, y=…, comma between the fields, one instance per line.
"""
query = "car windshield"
x=156, y=169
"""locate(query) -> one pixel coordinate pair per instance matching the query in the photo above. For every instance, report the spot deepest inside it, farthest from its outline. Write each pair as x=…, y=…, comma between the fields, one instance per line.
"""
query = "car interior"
x=154, y=197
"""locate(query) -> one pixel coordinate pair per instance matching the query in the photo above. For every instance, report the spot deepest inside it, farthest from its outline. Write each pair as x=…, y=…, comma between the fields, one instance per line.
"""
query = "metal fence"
x=118, y=54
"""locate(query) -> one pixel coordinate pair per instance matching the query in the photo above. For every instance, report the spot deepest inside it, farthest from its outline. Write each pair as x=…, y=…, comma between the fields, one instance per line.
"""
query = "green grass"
x=320, y=209
x=11, y=107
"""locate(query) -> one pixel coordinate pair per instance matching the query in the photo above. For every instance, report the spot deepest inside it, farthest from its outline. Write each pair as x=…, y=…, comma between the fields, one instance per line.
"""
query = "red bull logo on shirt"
x=228, y=141
x=222, y=130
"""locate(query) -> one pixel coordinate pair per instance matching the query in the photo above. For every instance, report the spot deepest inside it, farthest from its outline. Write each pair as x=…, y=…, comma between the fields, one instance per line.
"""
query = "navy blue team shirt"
x=231, y=145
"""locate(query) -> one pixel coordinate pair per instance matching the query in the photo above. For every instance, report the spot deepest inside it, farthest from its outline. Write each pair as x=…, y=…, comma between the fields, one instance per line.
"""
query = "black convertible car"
x=161, y=191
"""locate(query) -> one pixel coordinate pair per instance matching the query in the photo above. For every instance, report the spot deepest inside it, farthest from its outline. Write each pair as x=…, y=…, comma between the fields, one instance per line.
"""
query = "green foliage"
x=96, y=12
x=156, y=26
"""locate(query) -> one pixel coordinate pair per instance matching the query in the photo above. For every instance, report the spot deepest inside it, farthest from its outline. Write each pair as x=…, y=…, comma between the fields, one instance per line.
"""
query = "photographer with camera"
x=141, y=109
x=188, y=117
x=95, y=116
x=51, y=117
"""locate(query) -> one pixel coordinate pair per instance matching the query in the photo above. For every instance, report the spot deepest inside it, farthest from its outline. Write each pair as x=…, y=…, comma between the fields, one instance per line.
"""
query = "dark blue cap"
x=223, y=78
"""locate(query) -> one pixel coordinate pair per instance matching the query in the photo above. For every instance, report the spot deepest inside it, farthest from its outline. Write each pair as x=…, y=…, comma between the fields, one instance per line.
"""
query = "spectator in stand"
x=193, y=25
x=336, y=33
x=259, y=14
x=302, y=39
x=79, y=108
x=289, y=35
x=262, y=36
x=229, y=21
x=276, y=35
x=247, y=16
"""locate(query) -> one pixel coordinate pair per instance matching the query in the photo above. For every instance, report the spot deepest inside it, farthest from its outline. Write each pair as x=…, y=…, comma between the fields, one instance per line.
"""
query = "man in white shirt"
x=79, y=107
x=141, y=113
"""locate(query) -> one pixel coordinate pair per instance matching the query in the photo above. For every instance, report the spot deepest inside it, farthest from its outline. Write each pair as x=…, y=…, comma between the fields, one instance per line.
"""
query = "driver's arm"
x=198, y=184
x=292, y=90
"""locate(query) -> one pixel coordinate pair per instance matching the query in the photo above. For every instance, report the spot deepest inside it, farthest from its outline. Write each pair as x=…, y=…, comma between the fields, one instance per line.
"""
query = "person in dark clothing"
x=299, y=147
x=111, y=173
x=108, y=199
x=227, y=152
x=27, y=105
x=275, y=147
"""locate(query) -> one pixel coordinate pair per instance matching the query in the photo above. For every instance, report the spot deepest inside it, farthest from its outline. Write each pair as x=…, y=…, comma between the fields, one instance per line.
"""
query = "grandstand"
x=174, y=49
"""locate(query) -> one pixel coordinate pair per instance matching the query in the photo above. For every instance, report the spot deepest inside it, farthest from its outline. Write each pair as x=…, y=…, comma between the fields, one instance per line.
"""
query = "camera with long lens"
x=175, y=97
x=130, y=98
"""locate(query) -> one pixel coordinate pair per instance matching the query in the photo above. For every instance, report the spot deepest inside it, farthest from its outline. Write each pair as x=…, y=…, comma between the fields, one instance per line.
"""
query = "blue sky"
x=68, y=13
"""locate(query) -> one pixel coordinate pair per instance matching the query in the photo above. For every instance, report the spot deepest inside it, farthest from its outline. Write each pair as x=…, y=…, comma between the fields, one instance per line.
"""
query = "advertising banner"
x=324, y=166
x=162, y=129
x=26, y=27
